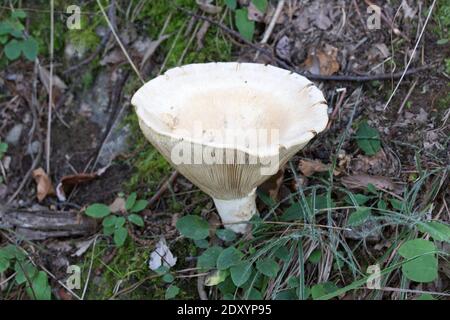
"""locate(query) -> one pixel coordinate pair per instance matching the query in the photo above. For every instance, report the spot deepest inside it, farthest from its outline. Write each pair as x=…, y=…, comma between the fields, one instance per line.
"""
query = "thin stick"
x=50, y=90
x=407, y=97
x=163, y=188
x=412, y=55
x=122, y=47
x=318, y=77
x=272, y=24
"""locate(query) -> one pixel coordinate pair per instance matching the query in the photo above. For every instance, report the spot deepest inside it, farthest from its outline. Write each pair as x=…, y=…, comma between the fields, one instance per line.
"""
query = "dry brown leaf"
x=273, y=184
x=323, y=61
x=328, y=60
x=68, y=182
x=118, y=205
x=152, y=48
x=201, y=34
x=360, y=181
x=44, y=184
x=115, y=56
x=44, y=76
x=206, y=6
x=254, y=14
x=309, y=167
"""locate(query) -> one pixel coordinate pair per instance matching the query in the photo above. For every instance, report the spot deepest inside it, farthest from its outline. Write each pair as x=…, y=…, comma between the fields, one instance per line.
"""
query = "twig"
x=50, y=90
x=90, y=269
x=318, y=77
x=272, y=24
x=122, y=47
x=337, y=107
x=412, y=55
x=163, y=188
x=407, y=97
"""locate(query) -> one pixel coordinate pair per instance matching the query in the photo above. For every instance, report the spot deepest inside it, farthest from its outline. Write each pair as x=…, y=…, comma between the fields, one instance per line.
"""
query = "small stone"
x=13, y=136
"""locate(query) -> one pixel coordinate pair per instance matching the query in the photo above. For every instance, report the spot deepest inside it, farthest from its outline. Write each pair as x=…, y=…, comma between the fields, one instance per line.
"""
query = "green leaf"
x=254, y=294
x=442, y=41
x=396, y=204
x=226, y=234
x=287, y=295
x=202, y=244
x=245, y=26
x=368, y=139
x=139, y=206
x=41, y=288
x=322, y=289
x=171, y=292
x=438, y=231
x=282, y=253
x=12, y=252
x=107, y=231
x=24, y=271
x=208, y=259
x=359, y=198
x=193, y=227
x=20, y=14
x=4, y=264
x=381, y=204
x=137, y=220
x=120, y=235
x=109, y=221
x=232, y=4
x=216, y=277
x=13, y=49
x=30, y=48
x=293, y=213
x=131, y=200
x=5, y=28
x=120, y=221
x=98, y=210
x=261, y=5
x=3, y=148
x=315, y=256
x=268, y=267
x=162, y=270
x=228, y=258
x=168, y=278
x=424, y=266
x=241, y=272
x=425, y=296
x=359, y=216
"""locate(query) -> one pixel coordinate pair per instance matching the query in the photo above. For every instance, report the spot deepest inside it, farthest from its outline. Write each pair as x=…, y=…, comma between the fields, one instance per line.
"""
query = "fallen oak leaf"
x=68, y=182
x=44, y=76
x=152, y=48
x=44, y=184
x=361, y=181
x=309, y=167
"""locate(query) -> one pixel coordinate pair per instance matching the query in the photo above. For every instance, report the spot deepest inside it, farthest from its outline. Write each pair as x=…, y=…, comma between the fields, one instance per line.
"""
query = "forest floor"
x=371, y=191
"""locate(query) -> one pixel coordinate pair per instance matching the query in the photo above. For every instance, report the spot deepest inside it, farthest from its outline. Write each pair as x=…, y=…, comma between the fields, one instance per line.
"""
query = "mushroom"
x=228, y=127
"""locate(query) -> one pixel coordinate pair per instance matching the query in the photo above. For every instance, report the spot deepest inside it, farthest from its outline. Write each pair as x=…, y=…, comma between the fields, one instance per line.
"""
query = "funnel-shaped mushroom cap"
x=228, y=126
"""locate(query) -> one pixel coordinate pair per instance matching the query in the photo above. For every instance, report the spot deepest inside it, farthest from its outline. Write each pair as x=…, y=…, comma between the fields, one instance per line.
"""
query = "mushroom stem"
x=237, y=210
